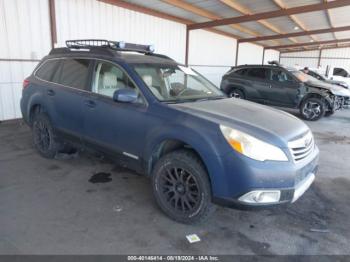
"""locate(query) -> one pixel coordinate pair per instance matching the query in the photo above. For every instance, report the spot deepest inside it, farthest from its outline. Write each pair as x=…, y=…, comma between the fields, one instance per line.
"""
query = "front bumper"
x=290, y=179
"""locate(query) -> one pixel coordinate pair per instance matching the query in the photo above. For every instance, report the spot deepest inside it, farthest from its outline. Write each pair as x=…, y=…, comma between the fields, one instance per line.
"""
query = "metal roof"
x=328, y=16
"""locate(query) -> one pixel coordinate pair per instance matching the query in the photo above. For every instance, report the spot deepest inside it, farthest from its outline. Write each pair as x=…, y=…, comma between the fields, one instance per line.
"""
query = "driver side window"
x=108, y=78
x=280, y=76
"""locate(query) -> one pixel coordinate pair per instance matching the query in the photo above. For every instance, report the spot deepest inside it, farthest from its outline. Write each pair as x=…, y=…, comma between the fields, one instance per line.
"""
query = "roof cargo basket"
x=115, y=45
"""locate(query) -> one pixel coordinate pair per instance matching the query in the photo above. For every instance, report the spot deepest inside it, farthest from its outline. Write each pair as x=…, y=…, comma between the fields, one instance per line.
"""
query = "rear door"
x=284, y=88
x=70, y=86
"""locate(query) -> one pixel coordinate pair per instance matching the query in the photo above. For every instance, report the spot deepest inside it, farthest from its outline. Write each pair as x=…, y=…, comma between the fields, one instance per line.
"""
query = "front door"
x=115, y=127
x=284, y=89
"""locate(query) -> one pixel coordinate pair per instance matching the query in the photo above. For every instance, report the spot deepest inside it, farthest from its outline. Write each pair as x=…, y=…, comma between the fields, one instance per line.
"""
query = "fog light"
x=261, y=197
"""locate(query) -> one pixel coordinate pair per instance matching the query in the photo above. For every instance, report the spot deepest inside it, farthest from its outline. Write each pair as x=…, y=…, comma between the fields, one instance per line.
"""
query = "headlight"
x=251, y=146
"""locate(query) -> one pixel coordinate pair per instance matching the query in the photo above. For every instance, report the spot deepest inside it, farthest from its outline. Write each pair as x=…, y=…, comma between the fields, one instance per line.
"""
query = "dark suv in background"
x=284, y=87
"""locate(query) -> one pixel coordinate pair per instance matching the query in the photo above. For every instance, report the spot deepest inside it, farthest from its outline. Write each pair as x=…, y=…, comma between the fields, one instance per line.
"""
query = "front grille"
x=302, y=147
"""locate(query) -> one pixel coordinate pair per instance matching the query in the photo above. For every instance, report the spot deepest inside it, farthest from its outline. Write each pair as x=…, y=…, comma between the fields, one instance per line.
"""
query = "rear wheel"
x=312, y=109
x=44, y=138
x=236, y=93
x=181, y=187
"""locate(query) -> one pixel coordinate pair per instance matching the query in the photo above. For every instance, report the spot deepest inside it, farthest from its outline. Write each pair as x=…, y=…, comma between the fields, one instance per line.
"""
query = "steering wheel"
x=177, y=89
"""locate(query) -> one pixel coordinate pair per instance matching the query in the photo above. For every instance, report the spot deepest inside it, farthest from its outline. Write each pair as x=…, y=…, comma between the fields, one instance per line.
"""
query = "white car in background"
x=336, y=74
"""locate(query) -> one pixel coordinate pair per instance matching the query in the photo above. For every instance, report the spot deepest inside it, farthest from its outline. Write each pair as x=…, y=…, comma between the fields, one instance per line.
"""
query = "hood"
x=334, y=89
x=263, y=122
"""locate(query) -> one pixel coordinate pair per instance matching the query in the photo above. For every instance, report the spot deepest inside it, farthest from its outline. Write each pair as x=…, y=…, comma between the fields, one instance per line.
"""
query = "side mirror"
x=125, y=95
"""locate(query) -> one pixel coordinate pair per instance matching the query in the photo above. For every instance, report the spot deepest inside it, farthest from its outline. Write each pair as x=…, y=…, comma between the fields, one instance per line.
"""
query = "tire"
x=181, y=187
x=44, y=138
x=237, y=93
x=312, y=109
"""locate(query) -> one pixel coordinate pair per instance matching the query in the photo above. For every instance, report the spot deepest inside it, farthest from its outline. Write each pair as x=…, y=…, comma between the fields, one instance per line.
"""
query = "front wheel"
x=312, y=109
x=181, y=187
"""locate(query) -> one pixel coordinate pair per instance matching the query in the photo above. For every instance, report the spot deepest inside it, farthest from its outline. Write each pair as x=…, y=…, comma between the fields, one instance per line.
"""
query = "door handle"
x=90, y=103
x=50, y=92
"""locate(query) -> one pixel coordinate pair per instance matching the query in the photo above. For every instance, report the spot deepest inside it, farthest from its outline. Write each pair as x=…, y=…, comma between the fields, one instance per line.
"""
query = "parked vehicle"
x=164, y=120
x=324, y=79
x=285, y=87
x=337, y=74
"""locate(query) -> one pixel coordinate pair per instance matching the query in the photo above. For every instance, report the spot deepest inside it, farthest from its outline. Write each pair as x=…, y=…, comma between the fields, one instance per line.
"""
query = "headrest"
x=147, y=79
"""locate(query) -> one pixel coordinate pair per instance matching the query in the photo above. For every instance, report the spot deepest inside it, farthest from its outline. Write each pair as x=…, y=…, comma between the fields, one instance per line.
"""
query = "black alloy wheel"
x=44, y=138
x=181, y=187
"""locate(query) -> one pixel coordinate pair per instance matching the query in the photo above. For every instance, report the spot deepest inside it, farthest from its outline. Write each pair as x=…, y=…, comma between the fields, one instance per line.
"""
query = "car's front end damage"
x=335, y=97
x=340, y=100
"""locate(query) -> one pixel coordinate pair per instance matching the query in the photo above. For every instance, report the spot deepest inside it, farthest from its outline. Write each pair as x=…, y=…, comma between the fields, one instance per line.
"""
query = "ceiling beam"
x=271, y=14
x=296, y=20
x=207, y=14
x=309, y=44
x=314, y=48
x=303, y=33
x=245, y=11
x=148, y=11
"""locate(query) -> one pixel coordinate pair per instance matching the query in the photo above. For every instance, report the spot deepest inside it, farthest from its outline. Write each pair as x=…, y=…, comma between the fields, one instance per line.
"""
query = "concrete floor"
x=50, y=207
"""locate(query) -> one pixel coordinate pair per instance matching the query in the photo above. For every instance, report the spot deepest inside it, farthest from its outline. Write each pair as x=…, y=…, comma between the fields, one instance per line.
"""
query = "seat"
x=149, y=81
x=109, y=84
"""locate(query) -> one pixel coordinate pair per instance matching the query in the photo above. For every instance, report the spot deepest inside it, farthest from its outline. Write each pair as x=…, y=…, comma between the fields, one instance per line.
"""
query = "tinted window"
x=109, y=78
x=74, y=73
x=47, y=69
x=280, y=76
x=241, y=71
x=340, y=72
x=258, y=73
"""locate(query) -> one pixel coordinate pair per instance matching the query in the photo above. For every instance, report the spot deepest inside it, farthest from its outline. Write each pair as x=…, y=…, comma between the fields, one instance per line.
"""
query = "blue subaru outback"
x=165, y=120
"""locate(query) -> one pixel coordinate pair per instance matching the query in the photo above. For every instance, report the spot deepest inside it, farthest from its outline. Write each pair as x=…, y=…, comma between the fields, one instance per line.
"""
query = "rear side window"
x=48, y=69
x=241, y=72
x=260, y=73
x=340, y=72
x=74, y=73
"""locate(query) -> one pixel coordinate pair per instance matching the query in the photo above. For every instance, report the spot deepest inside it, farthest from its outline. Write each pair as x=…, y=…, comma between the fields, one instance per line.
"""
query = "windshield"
x=175, y=83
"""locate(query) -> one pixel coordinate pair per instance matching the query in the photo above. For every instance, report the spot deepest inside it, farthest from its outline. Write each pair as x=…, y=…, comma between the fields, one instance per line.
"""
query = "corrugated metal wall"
x=93, y=19
x=211, y=54
x=339, y=57
x=24, y=34
x=271, y=55
x=302, y=59
x=336, y=57
x=250, y=54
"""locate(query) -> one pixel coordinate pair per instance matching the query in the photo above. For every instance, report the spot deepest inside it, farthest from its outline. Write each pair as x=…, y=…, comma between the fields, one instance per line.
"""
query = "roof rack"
x=115, y=45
